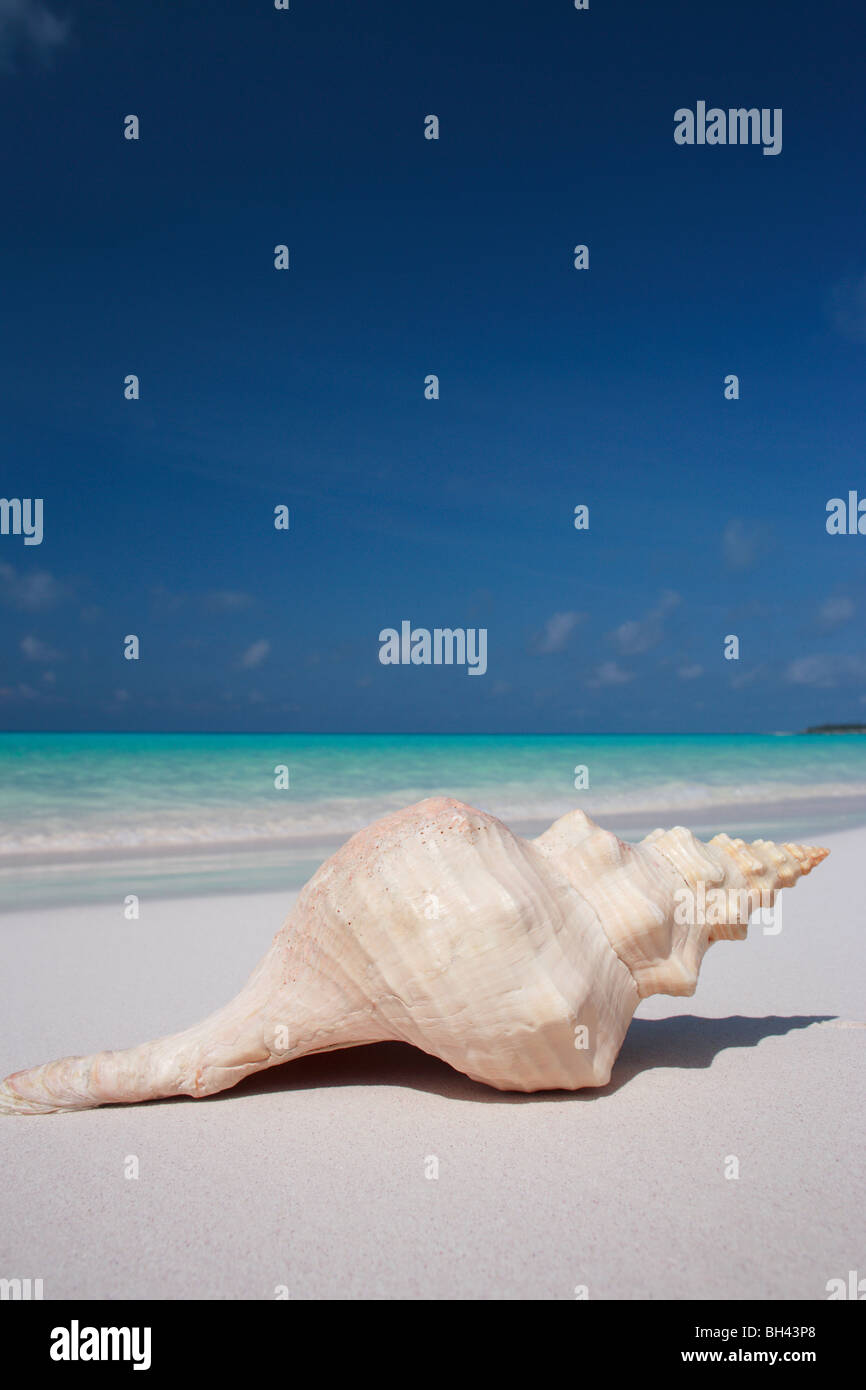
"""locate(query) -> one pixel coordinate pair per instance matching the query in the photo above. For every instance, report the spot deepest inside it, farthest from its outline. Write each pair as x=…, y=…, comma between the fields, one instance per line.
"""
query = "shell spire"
x=739, y=877
x=767, y=866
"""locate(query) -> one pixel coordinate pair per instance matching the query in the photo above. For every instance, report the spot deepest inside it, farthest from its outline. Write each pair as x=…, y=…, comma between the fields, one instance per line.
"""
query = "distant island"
x=837, y=729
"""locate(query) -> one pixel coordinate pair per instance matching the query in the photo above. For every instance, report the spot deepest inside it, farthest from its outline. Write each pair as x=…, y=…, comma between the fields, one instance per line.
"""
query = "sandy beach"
x=313, y=1180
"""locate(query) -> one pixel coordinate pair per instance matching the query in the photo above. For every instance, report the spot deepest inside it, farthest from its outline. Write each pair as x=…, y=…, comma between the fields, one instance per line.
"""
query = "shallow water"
x=87, y=817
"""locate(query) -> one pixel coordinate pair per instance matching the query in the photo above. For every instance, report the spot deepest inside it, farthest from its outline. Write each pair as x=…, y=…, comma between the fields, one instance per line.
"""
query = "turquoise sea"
x=90, y=817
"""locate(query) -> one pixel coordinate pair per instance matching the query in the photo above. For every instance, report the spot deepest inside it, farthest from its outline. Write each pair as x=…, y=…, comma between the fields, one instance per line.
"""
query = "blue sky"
x=408, y=257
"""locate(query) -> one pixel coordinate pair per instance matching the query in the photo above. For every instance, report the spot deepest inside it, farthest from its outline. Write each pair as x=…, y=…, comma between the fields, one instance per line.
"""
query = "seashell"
x=518, y=962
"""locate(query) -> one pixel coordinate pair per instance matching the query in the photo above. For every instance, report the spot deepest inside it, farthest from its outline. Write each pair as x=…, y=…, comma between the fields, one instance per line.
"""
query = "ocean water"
x=91, y=817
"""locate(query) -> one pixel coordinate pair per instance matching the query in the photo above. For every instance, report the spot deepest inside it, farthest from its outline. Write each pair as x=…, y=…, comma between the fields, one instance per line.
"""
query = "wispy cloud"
x=748, y=675
x=29, y=25
x=556, y=632
x=642, y=634
x=19, y=692
x=30, y=694
x=29, y=591
x=36, y=650
x=610, y=673
x=741, y=544
x=228, y=601
x=212, y=600
x=826, y=671
x=835, y=611
x=690, y=673
x=255, y=654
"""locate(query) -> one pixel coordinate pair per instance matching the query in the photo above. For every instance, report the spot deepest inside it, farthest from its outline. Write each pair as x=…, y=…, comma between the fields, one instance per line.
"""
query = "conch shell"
x=518, y=962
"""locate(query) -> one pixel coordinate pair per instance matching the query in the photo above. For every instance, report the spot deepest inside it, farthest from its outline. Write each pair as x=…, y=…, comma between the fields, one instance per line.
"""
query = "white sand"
x=312, y=1175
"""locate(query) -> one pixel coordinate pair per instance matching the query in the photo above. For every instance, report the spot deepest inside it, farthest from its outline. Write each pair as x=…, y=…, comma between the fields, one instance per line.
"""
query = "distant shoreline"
x=836, y=729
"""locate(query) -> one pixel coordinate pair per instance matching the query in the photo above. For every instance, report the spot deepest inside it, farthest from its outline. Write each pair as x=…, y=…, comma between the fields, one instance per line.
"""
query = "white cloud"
x=557, y=631
x=740, y=678
x=19, y=692
x=690, y=673
x=29, y=24
x=228, y=600
x=255, y=654
x=825, y=671
x=610, y=673
x=31, y=591
x=36, y=650
x=835, y=611
x=641, y=634
x=741, y=544
x=213, y=600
